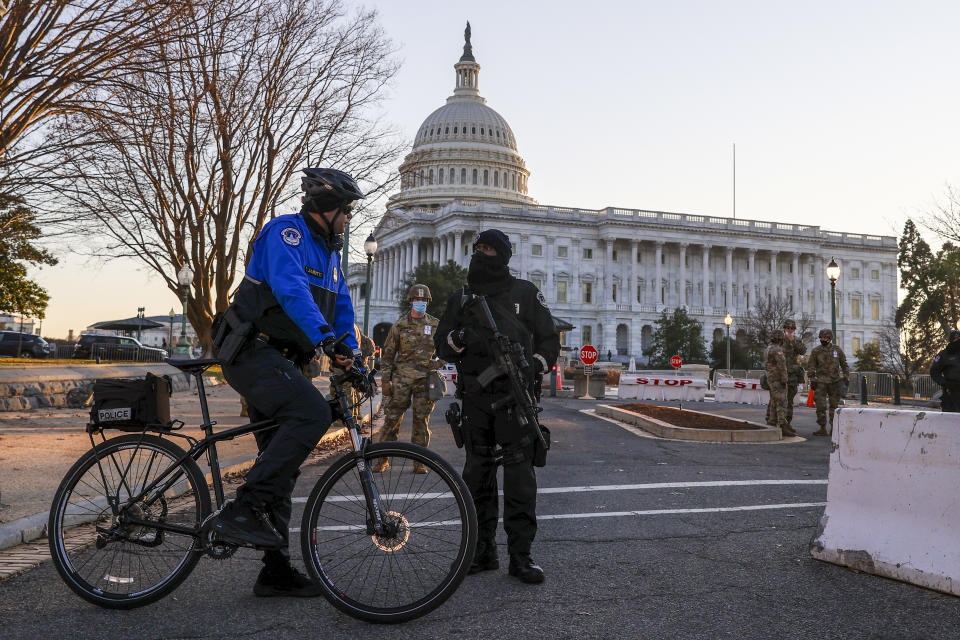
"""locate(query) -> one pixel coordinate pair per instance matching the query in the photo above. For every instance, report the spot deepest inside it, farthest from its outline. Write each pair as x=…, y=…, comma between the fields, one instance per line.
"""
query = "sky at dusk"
x=844, y=114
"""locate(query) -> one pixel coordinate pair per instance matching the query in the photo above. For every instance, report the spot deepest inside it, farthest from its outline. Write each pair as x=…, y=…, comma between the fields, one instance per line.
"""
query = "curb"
x=665, y=430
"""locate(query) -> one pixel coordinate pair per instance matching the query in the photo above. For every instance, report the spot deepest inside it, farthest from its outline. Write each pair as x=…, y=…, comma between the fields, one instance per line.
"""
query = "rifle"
x=510, y=360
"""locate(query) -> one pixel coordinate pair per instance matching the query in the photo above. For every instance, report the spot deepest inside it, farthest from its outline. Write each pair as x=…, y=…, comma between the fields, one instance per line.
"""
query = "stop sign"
x=588, y=355
x=676, y=362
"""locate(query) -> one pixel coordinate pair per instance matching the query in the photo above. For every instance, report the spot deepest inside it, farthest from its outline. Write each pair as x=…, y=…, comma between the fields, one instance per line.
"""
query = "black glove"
x=464, y=337
x=537, y=366
x=331, y=348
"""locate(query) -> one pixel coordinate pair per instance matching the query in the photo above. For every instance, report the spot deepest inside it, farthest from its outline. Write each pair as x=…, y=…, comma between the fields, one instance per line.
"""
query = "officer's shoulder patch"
x=291, y=236
x=541, y=299
x=937, y=359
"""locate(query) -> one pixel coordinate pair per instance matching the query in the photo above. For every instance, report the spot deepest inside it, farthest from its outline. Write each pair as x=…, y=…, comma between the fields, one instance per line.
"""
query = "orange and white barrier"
x=645, y=387
x=891, y=502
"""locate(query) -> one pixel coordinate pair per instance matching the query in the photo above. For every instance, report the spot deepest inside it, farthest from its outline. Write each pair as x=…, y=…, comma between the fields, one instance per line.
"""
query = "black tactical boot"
x=523, y=568
x=485, y=557
x=241, y=523
x=285, y=581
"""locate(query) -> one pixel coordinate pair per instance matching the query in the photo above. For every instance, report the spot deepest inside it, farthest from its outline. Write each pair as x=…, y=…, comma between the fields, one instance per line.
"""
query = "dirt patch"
x=688, y=419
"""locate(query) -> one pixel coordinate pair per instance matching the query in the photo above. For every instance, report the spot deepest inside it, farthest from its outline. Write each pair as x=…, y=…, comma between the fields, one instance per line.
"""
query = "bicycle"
x=126, y=524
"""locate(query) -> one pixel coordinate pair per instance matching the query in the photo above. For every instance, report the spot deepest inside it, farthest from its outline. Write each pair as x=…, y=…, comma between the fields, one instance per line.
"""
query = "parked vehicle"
x=111, y=347
x=27, y=345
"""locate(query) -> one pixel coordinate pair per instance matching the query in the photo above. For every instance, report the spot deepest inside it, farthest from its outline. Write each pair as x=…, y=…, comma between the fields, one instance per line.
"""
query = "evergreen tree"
x=676, y=334
x=19, y=294
x=441, y=280
x=869, y=358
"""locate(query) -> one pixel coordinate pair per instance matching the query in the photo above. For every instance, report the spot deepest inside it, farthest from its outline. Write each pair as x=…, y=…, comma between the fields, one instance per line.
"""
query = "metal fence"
x=880, y=386
x=105, y=351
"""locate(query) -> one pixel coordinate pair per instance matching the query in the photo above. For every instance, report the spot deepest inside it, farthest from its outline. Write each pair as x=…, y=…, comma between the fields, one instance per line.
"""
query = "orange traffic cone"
x=559, y=387
x=810, y=399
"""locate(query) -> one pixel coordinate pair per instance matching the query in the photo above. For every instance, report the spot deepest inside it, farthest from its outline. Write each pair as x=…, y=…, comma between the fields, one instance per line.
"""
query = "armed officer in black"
x=520, y=312
x=946, y=373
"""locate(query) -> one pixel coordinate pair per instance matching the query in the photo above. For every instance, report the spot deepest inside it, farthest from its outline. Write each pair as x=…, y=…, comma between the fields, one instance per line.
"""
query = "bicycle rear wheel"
x=103, y=557
x=402, y=576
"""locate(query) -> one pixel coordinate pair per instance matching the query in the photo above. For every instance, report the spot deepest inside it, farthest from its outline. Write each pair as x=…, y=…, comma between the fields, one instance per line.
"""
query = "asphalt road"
x=639, y=537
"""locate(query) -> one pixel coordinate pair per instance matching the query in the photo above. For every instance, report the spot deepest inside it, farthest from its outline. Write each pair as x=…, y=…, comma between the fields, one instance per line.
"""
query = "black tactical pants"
x=274, y=388
x=482, y=430
x=950, y=400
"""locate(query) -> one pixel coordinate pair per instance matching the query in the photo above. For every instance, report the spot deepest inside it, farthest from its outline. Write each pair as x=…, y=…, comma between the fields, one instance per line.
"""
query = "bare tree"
x=906, y=350
x=944, y=219
x=186, y=166
x=768, y=315
x=51, y=54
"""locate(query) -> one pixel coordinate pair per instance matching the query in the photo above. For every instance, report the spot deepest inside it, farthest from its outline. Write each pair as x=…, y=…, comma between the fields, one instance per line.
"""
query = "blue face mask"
x=420, y=306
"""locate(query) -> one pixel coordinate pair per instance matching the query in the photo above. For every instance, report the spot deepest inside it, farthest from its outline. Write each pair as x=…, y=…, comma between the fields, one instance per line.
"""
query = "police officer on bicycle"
x=292, y=303
x=520, y=312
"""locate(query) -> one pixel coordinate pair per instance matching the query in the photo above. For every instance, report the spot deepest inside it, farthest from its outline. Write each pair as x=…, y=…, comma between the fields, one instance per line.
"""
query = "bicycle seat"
x=191, y=366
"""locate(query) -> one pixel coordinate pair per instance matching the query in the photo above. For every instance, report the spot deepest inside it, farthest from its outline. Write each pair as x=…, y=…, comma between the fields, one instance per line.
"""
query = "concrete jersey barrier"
x=747, y=391
x=892, y=508
x=654, y=387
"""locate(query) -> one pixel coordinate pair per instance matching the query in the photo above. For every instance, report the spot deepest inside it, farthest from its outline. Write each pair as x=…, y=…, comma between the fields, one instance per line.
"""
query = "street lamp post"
x=728, y=321
x=140, y=311
x=170, y=327
x=370, y=248
x=833, y=273
x=184, y=278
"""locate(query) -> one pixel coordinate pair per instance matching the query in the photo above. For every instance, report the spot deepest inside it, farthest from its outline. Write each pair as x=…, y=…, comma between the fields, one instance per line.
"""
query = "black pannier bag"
x=131, y=404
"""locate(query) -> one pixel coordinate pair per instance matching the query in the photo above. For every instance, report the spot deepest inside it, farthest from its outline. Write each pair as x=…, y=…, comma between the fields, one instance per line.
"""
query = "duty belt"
x=286, y=350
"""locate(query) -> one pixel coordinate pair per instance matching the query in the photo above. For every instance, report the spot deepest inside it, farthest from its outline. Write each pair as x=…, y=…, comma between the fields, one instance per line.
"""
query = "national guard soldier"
x=406, y=361
x=792, y=350
x=827, y=370
x=777, y=377
x=946, y=373
x=520, y=312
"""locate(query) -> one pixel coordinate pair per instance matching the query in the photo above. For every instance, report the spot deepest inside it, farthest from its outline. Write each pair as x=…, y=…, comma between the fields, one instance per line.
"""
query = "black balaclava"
x=320, y=204
x=489, y=274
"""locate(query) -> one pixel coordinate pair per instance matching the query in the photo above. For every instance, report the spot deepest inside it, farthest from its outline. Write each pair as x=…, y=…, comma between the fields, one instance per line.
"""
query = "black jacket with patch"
x=520, y=312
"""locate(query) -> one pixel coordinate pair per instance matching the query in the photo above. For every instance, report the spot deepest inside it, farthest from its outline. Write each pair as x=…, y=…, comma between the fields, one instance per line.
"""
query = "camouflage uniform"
x=792, y=350
x=407, y=359
x=777, y=381
x=827, y=369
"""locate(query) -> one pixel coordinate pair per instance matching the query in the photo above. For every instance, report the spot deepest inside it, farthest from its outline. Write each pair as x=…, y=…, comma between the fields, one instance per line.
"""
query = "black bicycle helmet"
x=329, y=184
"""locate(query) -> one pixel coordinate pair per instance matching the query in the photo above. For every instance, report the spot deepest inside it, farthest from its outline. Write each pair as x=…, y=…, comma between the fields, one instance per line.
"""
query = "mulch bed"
x=688, y=419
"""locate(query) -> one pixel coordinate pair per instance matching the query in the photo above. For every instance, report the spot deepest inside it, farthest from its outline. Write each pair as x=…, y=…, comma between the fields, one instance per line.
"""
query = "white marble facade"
x=610, y=272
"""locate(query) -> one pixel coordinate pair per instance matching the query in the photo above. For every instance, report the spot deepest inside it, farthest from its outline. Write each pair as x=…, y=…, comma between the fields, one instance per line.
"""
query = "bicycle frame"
x=341, y=410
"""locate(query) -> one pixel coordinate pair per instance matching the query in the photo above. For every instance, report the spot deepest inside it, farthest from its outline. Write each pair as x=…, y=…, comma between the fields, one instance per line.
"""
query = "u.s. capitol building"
x=609, y=272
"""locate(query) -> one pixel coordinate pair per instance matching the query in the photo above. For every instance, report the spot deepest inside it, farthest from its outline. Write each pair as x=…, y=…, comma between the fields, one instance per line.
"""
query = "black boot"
x=285, y=581
x=522, y=567
x=241, y=523
x=485, y=557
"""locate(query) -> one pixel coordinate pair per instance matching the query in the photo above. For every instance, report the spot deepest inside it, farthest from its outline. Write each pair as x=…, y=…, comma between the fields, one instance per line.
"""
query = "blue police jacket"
x=294, y=289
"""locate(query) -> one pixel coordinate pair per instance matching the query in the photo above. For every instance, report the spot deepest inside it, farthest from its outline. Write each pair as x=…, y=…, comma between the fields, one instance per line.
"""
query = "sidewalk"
x=38, y=447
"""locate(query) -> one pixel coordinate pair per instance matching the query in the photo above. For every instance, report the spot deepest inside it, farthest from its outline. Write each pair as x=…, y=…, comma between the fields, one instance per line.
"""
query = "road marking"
x=599, y=487
x=611, y=514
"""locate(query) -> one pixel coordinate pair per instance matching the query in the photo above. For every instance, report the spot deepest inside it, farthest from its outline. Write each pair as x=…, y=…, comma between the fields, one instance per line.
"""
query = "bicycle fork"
x=376, y=521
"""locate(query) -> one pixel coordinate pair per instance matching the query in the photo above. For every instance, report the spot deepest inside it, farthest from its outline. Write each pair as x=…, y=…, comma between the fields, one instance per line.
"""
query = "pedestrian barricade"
x=742, y=390
x=644, y=387
x=891, y=499
x=747, y=391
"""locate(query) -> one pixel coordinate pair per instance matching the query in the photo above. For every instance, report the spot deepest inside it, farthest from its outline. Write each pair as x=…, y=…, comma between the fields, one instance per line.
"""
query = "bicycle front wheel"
x=414, y=569
x=98, y=548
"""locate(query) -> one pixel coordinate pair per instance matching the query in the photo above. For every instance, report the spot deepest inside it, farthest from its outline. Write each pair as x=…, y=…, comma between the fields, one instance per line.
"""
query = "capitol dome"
x=464, y=149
